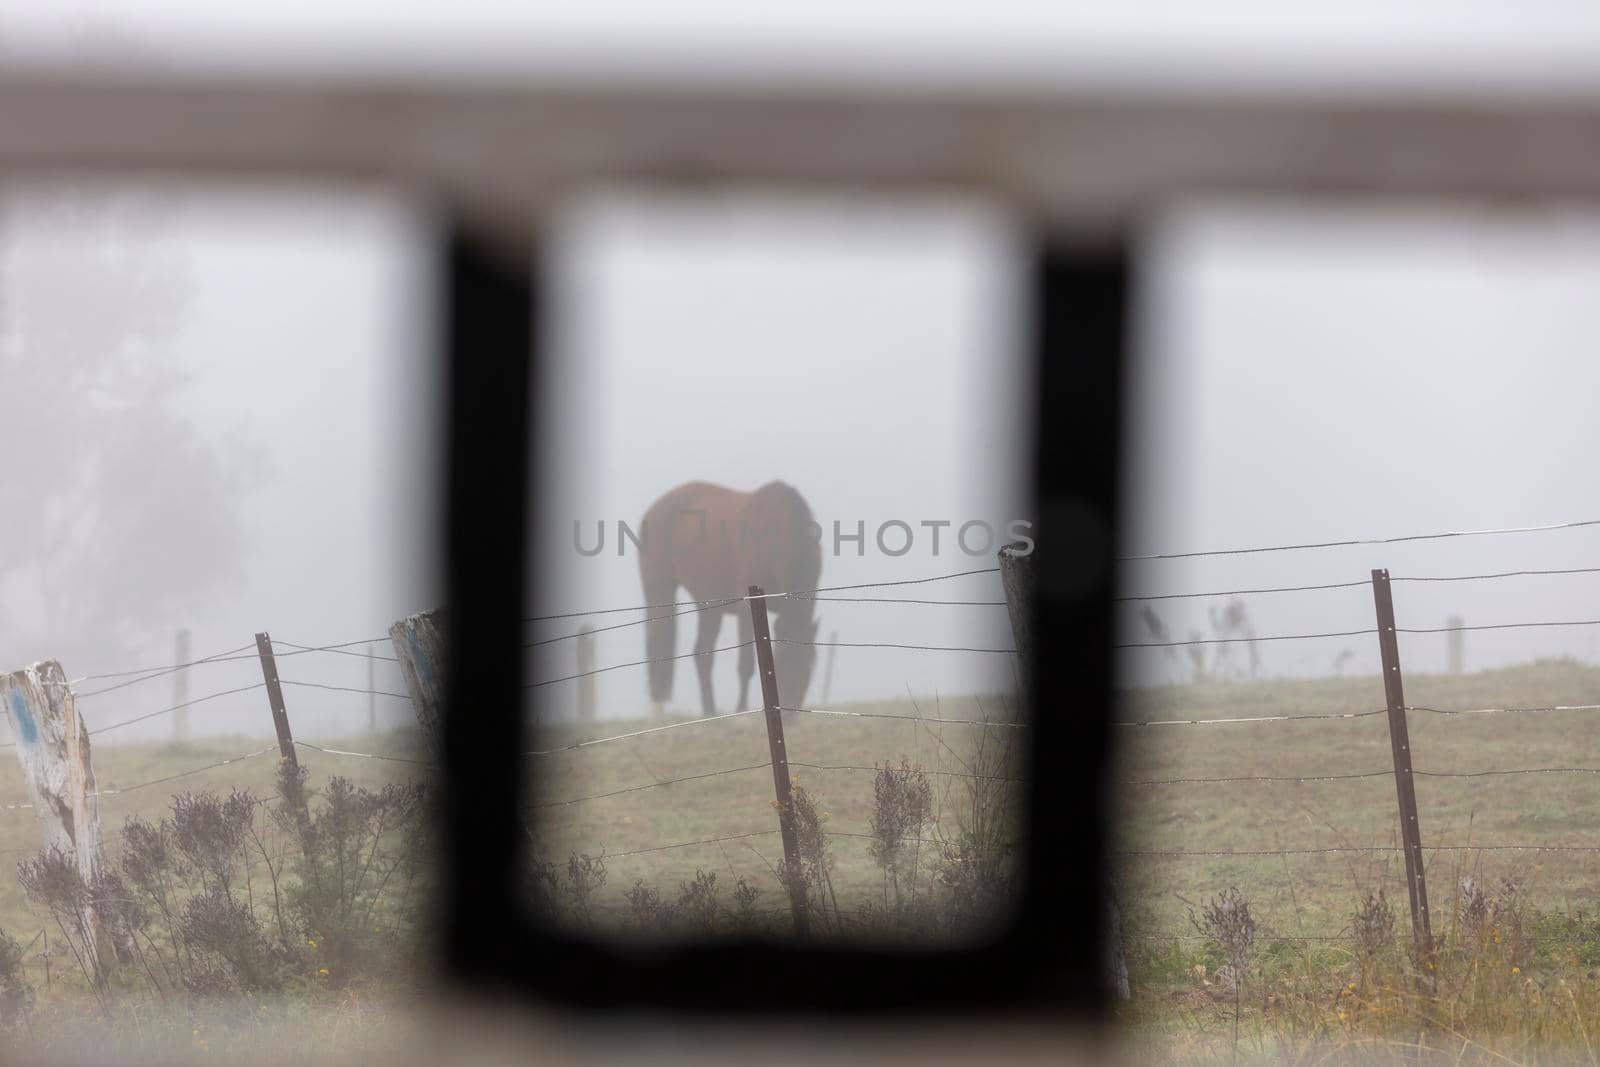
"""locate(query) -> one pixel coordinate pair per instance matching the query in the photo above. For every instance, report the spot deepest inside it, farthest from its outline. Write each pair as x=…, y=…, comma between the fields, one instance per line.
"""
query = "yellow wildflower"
x=1516, y=970
x=1341, y=1015
x=322, y=971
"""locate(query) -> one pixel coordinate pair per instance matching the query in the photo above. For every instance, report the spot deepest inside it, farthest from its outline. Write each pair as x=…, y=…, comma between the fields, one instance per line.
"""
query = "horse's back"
x=717, y=541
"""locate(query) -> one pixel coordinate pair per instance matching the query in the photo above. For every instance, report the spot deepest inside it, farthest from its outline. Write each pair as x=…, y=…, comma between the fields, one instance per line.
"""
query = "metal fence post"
x=1400, y=745
x=780, y=758
x=280, y=714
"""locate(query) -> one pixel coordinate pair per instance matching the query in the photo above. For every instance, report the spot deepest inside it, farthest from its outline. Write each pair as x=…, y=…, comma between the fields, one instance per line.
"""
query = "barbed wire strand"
x=1365, y=774
x=186, y=774
x=857, y=767
x=796, y=593
x=362, y=755
x=345, y=689
x=175, y=707
x=1505, y=711
x=703, y=720
x=635, y=663
x=1361, y=541
x=890, y=644
x=1356, y=715
x=1260, y=778
x=1495, y=574
x=1244, y=640
x=1353, y=633
x=1491, y=847
x=1251, y=718
x=689, y=844
x=625, y=625
x=905, y=718
x=649, y=785
x=1364, y=583
x=342, y=649
x=1241, y=592
x=902, y=600
x=1492, y=626
x=149, y=673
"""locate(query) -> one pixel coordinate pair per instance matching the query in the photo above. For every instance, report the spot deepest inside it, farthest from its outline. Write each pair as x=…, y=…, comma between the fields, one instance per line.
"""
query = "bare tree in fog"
x=120, y=516
x=1197, y=656
x=1232, y=625
x=1157, y=631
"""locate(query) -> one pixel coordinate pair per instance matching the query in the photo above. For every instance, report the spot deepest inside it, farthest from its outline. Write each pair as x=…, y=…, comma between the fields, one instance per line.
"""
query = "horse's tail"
x=661, y=632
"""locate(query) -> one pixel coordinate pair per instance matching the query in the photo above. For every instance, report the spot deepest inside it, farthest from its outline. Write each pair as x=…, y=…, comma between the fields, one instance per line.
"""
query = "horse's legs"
x=710, y=624
x=747, y=659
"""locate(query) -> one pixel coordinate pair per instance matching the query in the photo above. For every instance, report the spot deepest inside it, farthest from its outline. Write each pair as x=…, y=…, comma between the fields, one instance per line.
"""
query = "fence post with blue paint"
x=419, y=644
x=52, y=746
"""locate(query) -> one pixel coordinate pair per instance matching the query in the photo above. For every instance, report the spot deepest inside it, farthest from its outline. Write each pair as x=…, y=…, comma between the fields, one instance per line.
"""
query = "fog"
x=222, y=418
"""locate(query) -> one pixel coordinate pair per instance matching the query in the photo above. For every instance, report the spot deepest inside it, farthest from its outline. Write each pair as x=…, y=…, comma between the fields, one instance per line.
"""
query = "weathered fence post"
x=53, y=750
x=180, y=687
x=419, y=643
x=1016, y=578
x=780, y=760
x=585, y=674
x=1456, y=644
x=1400, y=746
x=280, y=714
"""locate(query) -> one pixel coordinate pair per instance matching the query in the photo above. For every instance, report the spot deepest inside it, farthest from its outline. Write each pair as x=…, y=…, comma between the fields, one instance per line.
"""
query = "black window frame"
x=1049, y=956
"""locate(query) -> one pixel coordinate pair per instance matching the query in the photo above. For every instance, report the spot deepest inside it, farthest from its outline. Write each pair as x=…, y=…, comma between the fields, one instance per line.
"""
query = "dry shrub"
x=902, y=810
x=16, y=995
x=808, y=878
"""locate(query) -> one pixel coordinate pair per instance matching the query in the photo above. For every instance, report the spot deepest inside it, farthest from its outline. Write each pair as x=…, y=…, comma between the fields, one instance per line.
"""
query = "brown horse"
x=716, y=543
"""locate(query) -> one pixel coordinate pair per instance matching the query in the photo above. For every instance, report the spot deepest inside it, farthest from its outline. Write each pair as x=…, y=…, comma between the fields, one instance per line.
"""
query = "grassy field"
x=1314, y=894
x=831, y=757
x=650, y=805
x=118, y=767
x=1521, y=986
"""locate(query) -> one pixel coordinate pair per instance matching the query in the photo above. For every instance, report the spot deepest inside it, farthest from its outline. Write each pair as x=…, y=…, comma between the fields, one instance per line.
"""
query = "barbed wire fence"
x=1412, y=847
x=1401, y=771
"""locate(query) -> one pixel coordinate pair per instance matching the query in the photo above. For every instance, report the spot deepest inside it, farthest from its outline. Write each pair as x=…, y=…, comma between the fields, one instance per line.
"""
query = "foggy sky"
x=1303, y=374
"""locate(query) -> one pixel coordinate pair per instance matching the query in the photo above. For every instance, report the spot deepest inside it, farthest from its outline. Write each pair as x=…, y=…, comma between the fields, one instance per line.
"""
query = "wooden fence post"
x=280, y=714
x=1400, y=746
x=780, y=759
x=53, y=750
x=180, y=687
x=1016, y=578
x=419, y=643
x=585, y=675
